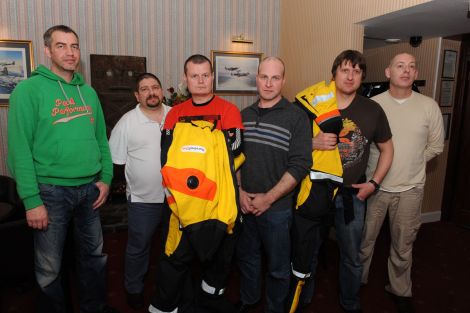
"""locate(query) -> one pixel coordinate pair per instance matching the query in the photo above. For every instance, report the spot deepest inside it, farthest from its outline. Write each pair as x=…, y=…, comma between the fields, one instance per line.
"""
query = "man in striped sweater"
x=277, y=146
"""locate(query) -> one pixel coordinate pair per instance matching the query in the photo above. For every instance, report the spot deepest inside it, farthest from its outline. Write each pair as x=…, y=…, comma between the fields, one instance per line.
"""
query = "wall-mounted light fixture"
x=241, y=39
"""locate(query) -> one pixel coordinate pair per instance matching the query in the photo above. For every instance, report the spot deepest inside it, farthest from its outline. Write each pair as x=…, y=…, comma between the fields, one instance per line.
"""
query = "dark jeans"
x=350, y=268
x=63, y=205
x=271, y=232
x=143, y=220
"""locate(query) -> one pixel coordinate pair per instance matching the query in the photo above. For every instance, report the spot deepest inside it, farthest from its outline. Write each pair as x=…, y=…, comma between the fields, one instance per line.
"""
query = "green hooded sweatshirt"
x=56, y=135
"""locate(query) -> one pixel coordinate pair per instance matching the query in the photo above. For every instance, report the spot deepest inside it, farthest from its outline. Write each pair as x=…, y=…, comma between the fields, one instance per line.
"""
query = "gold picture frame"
x=235, y=72
x=16, y=64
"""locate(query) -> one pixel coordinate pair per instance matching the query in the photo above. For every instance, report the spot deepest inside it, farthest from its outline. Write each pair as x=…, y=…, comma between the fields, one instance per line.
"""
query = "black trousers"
x=309, y=223
x=174, y=286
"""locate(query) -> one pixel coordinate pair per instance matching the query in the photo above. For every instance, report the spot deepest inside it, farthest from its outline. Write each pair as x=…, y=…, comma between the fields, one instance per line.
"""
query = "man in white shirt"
x=135, y=142
x=418, y=136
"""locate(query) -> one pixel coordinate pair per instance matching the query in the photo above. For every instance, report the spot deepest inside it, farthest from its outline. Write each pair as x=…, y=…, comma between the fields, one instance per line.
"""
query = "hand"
x=37, y=218
x=261, y=203
x=245, y=202
x=324, y=141
x=365, y=190
x=104, y=191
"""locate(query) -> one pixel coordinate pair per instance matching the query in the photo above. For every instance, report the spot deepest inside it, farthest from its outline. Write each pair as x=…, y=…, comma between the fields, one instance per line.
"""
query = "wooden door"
x=113, y=78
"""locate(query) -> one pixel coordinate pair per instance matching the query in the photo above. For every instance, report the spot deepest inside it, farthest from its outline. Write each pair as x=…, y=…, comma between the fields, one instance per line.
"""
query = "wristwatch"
x=376, y=185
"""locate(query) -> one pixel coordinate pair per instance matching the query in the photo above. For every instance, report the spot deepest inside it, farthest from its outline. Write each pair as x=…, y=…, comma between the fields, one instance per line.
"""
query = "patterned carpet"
x=441, y=276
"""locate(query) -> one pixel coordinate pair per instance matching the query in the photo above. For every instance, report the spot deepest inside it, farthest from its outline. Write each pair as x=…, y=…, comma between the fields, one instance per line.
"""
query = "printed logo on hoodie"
x=66, y=110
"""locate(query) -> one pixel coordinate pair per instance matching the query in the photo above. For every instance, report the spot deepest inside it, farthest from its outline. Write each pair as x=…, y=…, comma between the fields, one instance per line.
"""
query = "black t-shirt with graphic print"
x=364, y=122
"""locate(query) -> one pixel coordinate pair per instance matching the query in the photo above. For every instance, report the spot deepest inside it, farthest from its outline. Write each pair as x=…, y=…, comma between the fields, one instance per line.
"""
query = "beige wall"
x=429, y=56
x=314, y=32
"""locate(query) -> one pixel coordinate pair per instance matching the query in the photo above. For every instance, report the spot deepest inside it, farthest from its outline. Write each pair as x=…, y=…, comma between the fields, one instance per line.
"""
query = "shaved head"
x=269, y=59
x=402, y=72
x=399, y=55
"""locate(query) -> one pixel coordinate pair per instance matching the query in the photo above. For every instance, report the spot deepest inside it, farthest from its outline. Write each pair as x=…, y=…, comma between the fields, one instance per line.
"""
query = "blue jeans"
x=270, y=231
x=143, y=220
x=63, y=205
x=350, y=268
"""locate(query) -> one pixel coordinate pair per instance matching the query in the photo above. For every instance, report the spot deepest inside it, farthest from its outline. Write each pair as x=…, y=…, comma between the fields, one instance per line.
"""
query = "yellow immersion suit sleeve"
x=320, y=100
x=174, y=235
x=238, y=161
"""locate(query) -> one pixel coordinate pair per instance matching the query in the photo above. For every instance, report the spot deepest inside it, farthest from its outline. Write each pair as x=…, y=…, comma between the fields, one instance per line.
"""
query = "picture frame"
x=449, y=64
x=235, y=72
x=446, y=119
x=446, y=97
x=16, y=64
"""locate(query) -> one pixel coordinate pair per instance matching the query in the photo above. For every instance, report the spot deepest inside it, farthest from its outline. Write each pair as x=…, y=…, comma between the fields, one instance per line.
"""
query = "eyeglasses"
x=197, y=77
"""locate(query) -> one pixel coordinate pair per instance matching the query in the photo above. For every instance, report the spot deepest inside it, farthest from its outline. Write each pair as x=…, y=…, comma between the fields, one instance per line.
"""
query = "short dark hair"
x=197, y=59
x=353, y=56
x=61, y=28
x=143, y=76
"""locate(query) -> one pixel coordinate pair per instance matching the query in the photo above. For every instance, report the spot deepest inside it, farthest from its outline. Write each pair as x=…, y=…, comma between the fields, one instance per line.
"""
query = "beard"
x=151, y=104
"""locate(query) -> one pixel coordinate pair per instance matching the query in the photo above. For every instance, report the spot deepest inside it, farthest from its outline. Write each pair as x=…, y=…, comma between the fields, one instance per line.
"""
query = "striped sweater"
x=275, y=140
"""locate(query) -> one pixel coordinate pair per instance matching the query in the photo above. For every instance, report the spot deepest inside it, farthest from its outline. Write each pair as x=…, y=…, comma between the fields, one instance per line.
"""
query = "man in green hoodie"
x=58, y=154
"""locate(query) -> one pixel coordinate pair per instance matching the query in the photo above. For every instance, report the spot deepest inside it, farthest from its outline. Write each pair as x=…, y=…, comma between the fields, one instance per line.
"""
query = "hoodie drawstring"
x=79, y=93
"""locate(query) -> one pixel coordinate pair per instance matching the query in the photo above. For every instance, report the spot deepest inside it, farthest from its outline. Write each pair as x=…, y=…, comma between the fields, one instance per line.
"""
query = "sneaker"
x=135, y=300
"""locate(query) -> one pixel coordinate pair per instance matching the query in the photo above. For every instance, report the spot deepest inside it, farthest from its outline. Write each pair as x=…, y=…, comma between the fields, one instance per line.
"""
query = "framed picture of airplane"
x=235, y=72
x=16, y=64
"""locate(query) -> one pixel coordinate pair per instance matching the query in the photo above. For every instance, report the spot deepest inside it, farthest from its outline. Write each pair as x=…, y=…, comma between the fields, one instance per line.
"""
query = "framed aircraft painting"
x=16, y=64
x=235, y=72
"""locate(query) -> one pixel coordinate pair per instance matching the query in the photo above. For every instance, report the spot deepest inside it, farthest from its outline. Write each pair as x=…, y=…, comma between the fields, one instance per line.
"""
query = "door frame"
x=451, y=210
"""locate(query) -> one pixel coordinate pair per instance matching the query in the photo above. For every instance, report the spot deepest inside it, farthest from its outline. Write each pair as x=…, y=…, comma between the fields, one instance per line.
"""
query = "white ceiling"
x=438, y=18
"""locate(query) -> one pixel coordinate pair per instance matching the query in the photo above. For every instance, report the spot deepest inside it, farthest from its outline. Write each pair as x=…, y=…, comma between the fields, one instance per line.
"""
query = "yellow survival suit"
x=317, y=190
x=199, y=181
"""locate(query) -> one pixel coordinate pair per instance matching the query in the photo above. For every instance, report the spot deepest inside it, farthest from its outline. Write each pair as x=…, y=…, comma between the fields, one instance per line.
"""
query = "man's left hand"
x=261, y=202
x=104, y=191
x=365, y=190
